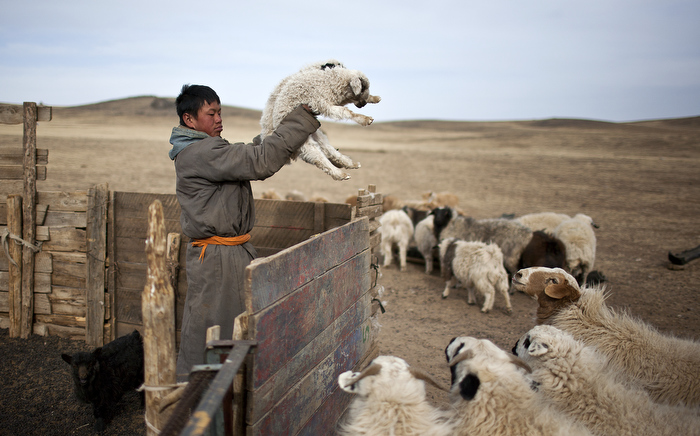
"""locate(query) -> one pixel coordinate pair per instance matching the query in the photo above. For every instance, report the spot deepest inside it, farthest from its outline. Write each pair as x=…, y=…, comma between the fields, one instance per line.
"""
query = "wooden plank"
x=42, y=283
x=128, y=308
x=65, y=239
x=369, y=200
x=136, y=227
x=341, y=329
x=28, y=217
x=135, y=205
x=13, y=155
x=96, y=236
x=62, y=320
x=278, y=238
x=42, y=304
x=75, y=201
x=75, y=333
x=111, y=269
x=309, y=394
x=284, y=214
x=130, y=275
x=14, y=279
x=8, y=187
x=55, y=218
x=16, y=172
x=268, y=279
x=5, y=302
x=43, y=262
x=14, y=114
x=371, y=211
x=310, y=310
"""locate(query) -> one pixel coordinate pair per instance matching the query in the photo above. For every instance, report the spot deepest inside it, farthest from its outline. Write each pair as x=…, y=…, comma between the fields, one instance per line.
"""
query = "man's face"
x=208, y=119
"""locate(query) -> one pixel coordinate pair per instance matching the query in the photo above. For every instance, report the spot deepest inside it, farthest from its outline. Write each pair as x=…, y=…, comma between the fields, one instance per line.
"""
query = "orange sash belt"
x=219, y=240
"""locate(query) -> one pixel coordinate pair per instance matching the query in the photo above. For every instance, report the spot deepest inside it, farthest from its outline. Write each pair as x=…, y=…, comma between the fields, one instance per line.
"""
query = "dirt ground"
x=639, y=181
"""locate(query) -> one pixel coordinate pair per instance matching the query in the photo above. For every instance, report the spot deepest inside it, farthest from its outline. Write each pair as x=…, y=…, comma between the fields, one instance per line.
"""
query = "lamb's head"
x=84, y=366
x=545, y=343
x=553, y=288
x=441, y=217
x=323, y=65
x=387, y=378
x=586, y=219
x=357, y=90
x=474, y=362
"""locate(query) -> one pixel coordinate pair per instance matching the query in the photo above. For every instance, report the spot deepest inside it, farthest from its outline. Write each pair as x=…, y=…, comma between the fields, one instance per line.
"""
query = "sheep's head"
x=386, y=378
x=357, y=91
x=543, y=342
x=553, y=288
x=475, y=361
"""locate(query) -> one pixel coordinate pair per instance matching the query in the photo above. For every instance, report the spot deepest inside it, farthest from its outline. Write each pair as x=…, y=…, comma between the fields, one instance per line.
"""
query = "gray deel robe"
x=216, y=198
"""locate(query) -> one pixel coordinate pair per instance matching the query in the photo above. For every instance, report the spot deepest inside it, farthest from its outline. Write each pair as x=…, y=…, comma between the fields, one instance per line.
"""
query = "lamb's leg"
x=452, y=282
x=343, y=113
x=311, y=153
x=337, y=158
x=403, y=248
x=386, y=251
x=504, y=289
x=488, y=300
x=428, y=261
x=685, y=256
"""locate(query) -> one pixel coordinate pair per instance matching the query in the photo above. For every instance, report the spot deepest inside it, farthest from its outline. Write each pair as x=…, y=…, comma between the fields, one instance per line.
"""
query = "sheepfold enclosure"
x=310, y=295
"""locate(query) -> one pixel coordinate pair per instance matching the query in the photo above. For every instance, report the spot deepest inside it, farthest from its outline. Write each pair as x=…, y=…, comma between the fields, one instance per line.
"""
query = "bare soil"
x=639, y=181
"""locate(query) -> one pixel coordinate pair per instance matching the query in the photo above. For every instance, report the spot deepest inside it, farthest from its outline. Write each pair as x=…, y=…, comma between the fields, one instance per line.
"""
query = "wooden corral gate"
x=309, y=296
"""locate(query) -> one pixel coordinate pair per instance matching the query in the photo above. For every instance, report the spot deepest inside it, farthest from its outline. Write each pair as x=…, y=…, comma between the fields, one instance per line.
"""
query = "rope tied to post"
x=4, y=240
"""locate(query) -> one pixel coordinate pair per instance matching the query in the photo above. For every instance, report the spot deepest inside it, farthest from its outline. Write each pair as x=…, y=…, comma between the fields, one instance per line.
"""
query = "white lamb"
x=545, y=221
x=666, y=366
x=390, y=400
x=491, y=395
x=580, y=383
x=395, y=228
x=478, y=267
x=424, y=235
x=326, y=87
x=578, y=236
x=511, y=236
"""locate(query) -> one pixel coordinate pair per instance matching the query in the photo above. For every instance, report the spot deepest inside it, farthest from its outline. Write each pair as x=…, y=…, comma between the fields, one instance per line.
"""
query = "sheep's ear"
x=68, y=358
x=537, y=348
x=98, y=352
x=356, y=86
x=420, y=375
x=561, y=290
x=468, y=386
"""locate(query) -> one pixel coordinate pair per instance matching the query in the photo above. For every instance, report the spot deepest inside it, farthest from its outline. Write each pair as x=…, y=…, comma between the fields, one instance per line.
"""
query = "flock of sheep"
x=583, y=369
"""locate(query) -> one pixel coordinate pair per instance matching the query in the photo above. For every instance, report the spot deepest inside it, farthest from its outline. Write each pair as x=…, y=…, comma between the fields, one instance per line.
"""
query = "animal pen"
x=75, y=265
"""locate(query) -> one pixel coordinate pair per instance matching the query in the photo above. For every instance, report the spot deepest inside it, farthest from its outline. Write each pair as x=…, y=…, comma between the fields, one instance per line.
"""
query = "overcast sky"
x=614, y=60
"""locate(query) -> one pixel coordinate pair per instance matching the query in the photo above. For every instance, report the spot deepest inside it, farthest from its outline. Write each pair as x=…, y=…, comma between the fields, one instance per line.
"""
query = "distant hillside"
x=149, y=105
x=146, y=105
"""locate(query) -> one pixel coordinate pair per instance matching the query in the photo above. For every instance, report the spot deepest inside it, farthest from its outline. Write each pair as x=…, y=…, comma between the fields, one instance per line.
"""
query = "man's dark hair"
x=193, y=97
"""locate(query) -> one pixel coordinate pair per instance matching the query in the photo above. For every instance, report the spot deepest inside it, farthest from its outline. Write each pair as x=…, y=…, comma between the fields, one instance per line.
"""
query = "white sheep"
x=424, y=235
x=578, y=236
x=478, y=267
x=545, y=221
x=511, y=236
x=390, y=400
x=326, y=87
x=492, y=396
x=395, y=228
x=581, y=384
x=666, y=366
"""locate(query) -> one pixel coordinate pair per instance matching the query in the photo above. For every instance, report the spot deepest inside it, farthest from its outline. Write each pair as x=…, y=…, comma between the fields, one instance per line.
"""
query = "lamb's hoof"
x=340, y=177
x=508, y=311
x=485, y=311
x=444, y=297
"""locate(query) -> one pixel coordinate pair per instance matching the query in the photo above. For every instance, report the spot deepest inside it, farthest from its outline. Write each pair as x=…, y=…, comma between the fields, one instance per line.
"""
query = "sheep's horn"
x=461, y=357
x=420, y=375
x=372, y=369
x=520, y=362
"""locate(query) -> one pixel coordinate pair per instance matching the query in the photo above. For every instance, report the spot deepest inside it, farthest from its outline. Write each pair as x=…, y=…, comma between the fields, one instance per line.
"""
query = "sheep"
x=390, y=399
x=492, y=395
x=103, y=376
x=579, y=238
x=512, y=237
x=443, y=216
x=545, y=221
x=426, y=241
x=395, y=228
x=478, y=266
x=543, y=250
x=440, y=199
x=326, y=87
x=666, y=366
x=580, y=383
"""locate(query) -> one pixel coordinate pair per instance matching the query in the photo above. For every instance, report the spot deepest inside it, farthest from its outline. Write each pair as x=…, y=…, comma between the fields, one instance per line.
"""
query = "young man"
x=214, y=192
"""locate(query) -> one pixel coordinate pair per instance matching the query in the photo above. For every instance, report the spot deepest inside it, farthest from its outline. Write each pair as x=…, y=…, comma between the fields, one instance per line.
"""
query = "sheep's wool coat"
x=216, y=198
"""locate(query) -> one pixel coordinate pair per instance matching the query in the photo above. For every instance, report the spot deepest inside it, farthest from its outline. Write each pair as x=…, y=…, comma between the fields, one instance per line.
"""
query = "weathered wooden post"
x=157, y=303
x=29, y=218
x=14, y=226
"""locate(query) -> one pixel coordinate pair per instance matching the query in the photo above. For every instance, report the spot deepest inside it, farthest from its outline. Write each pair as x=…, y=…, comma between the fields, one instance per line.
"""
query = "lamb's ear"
x=420, y=375
x=98, y=352
x=68, y=358
x=561, y=290
x=468, y=386
x=356, y=86
x=537, y=348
